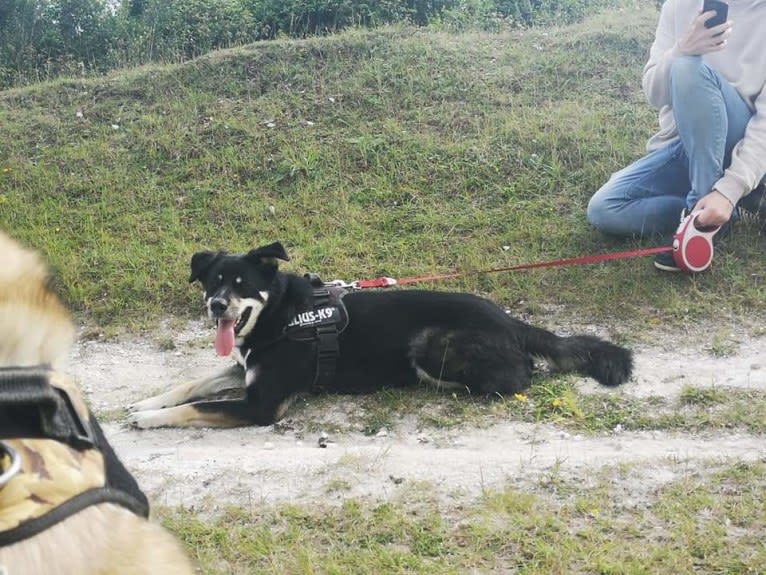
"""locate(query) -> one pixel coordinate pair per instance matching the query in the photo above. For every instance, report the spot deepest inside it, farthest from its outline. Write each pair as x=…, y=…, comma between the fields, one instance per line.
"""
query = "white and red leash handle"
x=693, y=245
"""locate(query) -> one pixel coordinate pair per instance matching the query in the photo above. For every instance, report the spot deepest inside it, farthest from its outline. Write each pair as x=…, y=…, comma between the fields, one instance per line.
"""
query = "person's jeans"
x=647, y=197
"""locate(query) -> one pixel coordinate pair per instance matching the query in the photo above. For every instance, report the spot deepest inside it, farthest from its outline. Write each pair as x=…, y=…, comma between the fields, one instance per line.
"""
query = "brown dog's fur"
x=35, y=328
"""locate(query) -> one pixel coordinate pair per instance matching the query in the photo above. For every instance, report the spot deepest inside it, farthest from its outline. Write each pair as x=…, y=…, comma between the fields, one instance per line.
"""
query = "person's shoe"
x=755, y=203
x=664, y=261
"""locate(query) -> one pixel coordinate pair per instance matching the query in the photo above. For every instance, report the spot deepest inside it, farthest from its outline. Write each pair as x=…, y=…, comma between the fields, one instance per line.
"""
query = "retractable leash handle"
x=693, y=245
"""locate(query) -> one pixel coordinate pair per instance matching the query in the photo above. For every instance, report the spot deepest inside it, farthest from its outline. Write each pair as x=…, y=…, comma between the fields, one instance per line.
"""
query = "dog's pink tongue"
x=224, y=337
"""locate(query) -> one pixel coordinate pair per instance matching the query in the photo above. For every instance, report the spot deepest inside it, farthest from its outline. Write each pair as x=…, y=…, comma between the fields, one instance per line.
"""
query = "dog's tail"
x=607, y=363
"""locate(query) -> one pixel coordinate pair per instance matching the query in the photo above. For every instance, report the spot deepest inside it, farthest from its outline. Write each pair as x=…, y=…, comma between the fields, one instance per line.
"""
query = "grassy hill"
x=398, y=151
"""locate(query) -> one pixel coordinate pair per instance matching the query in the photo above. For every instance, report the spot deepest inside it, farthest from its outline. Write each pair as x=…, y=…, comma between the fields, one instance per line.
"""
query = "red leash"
x=383, y=282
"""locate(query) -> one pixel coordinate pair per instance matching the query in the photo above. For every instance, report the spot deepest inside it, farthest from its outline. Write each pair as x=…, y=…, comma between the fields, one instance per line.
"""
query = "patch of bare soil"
x=208, y=467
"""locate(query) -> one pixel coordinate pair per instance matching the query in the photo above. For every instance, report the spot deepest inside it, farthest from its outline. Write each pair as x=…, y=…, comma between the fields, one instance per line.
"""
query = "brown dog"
x=107, y=534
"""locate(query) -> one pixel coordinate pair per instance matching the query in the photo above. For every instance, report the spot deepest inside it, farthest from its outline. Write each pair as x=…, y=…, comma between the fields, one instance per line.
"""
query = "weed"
x=337, y=486
x=703, y=396
x=165, y=343
x=722, y=345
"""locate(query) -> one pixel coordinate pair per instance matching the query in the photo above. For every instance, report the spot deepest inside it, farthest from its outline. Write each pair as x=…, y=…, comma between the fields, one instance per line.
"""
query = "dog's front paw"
x=150, y=404
x=147, y=419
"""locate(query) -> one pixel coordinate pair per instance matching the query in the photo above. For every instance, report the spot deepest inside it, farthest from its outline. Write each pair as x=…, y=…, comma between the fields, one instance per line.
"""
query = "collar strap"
x=32, y=408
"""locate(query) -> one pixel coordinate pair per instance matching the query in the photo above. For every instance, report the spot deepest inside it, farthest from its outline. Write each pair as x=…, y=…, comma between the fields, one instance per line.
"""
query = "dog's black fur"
x=393, y=339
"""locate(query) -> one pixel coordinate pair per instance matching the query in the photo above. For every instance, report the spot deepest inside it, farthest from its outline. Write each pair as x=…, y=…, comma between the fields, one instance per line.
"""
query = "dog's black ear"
x=269, y=254
x=201, y=262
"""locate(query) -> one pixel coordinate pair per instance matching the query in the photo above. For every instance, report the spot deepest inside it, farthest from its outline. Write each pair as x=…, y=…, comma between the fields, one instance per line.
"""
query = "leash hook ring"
x=13, y=468
x=342, y=284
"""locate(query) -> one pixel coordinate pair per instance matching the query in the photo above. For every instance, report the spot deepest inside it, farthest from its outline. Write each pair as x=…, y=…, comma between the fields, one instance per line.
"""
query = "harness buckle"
x=13, y=468
x=81, y=431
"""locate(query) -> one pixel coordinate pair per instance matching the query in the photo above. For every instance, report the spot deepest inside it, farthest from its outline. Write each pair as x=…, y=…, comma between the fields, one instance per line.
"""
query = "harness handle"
x=29, y=403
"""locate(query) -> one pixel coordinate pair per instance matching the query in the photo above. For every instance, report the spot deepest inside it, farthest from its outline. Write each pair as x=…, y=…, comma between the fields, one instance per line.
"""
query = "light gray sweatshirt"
x=742, y=63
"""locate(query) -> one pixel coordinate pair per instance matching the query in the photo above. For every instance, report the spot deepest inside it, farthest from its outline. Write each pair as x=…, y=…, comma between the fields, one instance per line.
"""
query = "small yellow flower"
x=519, y=397
x=6, y=170
x=556, y=402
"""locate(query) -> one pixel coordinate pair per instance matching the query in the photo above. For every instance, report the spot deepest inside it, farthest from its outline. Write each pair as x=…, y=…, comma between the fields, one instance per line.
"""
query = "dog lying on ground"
x=67, y=505
x=292, y=337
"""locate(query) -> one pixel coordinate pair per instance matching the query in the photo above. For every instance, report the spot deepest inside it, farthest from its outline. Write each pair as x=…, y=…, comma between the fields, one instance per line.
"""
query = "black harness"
x=30, y=409
x=322, y=324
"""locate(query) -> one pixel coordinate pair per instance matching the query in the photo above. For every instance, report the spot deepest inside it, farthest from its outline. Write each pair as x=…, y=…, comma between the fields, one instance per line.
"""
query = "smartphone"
x=721, y=12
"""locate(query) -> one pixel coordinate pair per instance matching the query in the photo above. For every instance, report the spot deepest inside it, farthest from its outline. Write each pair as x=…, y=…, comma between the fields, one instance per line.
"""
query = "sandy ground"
x=207, y=468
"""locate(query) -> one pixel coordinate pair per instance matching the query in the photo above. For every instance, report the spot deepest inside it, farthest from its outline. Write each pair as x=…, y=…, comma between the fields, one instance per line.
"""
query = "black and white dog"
x=294, y=337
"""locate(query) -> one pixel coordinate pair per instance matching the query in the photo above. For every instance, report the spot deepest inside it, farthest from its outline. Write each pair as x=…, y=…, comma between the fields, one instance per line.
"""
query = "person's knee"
x=687, y=73
x=598, y=212
x=594, y=212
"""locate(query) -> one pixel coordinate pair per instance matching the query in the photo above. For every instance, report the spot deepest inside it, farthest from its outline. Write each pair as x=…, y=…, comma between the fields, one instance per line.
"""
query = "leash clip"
x=342, y=284
x=693, y=245
x=316, y=282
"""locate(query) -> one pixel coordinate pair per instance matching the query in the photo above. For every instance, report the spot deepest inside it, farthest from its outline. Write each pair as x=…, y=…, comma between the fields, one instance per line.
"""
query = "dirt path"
x=244, y=466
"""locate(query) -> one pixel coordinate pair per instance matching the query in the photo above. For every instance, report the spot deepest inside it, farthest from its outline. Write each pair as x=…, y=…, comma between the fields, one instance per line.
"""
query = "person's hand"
x=698, y=40
x=714, y=209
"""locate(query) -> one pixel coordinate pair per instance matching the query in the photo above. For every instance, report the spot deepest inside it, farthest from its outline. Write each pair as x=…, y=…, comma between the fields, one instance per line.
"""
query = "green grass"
x=551, y=400
x=709, y=522
x=396, y=151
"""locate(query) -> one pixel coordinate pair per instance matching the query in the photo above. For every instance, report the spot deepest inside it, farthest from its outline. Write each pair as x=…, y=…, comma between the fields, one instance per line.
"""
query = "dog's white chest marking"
x=250, y=376
x=236, y=354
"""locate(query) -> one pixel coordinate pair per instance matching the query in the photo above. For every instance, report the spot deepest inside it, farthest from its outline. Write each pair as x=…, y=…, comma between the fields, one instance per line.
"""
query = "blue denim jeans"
x=647, y=197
